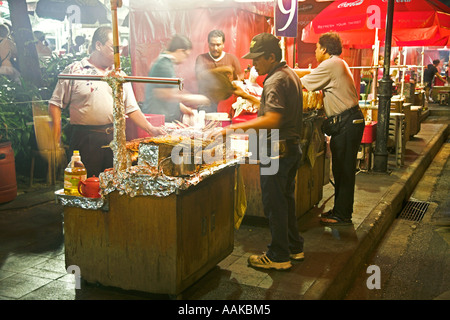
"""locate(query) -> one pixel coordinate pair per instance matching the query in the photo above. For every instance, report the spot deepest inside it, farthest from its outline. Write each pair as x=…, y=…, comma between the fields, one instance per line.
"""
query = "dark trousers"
x=278, y=197
x=344, y=149
x=93, y=145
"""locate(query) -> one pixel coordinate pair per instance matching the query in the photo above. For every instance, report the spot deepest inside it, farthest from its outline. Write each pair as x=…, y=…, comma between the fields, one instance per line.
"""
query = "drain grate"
x=414, y=210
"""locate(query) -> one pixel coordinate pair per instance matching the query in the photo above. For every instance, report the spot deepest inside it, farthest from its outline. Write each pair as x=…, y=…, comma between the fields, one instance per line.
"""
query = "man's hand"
x=186, y=110
x=139, y=119
x=217, y=133
x=156, y=131
x=241, y=93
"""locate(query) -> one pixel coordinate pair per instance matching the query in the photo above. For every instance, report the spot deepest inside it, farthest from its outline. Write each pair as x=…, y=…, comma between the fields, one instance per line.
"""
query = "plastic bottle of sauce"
x=74, y=172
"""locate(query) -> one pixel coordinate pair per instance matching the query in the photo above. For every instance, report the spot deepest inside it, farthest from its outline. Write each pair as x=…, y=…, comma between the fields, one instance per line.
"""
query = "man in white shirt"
x=90, y=105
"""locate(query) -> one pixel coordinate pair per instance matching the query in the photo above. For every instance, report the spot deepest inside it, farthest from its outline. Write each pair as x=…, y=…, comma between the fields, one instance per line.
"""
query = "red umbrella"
x=415, y=23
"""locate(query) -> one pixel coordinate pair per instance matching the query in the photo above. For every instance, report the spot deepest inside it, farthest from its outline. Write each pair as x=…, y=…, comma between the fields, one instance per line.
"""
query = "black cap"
x=262, y=43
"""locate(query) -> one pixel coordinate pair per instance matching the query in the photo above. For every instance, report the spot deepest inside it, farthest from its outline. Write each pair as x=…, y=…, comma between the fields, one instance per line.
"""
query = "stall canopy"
x=415, y=23
x=154, y=22
x=80, y=11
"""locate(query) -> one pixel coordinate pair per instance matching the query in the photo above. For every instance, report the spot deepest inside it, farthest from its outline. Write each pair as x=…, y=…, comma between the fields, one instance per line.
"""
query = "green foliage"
x=52, y=67
x=16, y=115
x=125, y=65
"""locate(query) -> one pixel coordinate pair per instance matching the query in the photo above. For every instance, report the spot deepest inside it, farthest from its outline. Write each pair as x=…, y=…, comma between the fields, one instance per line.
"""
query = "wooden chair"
x=397, y=134
x=46, y=149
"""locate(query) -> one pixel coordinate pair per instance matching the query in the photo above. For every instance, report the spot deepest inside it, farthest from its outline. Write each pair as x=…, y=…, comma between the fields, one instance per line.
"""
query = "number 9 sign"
x=286, y=18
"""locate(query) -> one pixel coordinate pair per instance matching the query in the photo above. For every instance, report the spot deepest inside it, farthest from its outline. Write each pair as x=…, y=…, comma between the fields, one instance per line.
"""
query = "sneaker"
x=264, y=262
x=297, y=256
x=329, y=213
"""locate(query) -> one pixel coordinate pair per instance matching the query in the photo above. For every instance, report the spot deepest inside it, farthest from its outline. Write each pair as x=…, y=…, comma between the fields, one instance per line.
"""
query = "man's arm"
x=186, y=110
x=175, y=95
x=241, y=93
x=318, y=79
x=270, y=120
x=440, y=77
x=139, y=119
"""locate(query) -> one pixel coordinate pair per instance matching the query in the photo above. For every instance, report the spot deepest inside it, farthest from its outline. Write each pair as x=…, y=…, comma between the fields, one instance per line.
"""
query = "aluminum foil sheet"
x=148, y=155
x=144, y=181
x=81, y=202
x=118, y=145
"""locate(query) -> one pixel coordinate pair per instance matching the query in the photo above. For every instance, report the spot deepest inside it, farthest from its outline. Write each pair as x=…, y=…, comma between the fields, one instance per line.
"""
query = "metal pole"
x=376, y=53
x=384, y=106
x=422, y=71
x=171, y=81
x=114, y=5
x=403, y=72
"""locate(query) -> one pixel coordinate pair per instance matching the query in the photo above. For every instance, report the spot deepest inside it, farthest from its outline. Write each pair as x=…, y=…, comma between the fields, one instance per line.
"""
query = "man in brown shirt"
x=217, y=59
x=280, y=116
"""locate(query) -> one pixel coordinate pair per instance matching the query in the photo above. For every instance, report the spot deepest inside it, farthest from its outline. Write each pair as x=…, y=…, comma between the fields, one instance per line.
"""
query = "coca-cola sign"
x=350, y=4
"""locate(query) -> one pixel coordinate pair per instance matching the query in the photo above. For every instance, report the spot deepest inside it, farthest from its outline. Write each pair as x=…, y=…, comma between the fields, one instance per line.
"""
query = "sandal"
x=331, y=220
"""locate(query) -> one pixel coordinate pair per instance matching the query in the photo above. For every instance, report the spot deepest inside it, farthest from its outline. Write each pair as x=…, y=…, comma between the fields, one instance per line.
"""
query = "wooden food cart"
x=159, y=241
x=153, y=244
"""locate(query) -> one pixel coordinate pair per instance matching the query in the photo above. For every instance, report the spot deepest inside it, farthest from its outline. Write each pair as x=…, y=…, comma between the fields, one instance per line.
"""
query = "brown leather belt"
x=106, y=129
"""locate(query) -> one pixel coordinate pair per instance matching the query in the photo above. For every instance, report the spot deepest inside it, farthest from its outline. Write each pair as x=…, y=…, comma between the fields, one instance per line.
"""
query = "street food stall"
x=163, y=216
x=166, y=213
x=162, y=221
x=155, y=228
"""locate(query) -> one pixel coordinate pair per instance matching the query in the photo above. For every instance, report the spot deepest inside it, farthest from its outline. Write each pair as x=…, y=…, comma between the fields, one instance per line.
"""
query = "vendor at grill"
x=216, y=59
x=91, y=106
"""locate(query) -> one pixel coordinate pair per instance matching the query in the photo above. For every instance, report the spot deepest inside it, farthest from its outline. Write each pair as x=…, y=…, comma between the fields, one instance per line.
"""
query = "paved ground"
x=414, y=255
x=32, y=263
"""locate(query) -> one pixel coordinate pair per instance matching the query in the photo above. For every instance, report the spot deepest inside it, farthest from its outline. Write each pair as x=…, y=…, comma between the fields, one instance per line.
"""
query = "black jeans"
x=344, y=149
x=278, y=197
x=91, y=144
